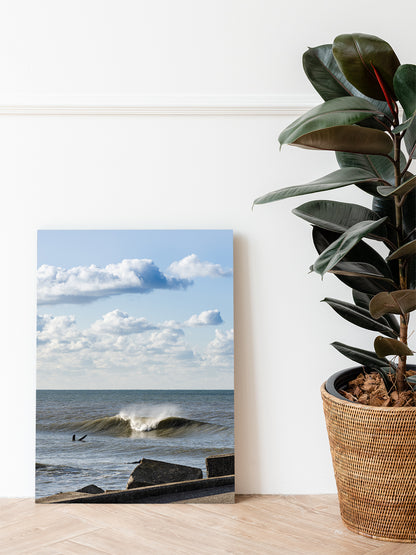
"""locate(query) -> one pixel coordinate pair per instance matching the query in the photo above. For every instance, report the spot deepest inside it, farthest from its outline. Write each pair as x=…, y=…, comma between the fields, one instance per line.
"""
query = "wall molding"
x=198, y=105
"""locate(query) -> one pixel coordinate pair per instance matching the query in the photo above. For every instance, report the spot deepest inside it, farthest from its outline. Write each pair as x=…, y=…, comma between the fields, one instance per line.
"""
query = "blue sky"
x=161, y=319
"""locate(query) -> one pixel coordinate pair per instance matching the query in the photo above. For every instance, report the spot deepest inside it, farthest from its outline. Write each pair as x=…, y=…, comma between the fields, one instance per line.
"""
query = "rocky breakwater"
x=160, y=482
x=220, y=465
x=151, y=473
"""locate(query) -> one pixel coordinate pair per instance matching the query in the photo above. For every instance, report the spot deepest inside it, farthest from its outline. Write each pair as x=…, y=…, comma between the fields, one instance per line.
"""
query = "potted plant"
x=370, y=409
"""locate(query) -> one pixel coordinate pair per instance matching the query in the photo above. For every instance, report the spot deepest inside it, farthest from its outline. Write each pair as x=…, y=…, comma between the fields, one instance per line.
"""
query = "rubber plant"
x=363, y=85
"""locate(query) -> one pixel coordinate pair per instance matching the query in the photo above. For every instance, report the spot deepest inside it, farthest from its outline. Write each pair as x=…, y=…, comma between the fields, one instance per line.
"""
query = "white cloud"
x=60, y=334
x=220, y=350
x=83, y=284
x=115, y=341
x=191, y=267
x=205, y=318
x=117, y=322
x=119, y=344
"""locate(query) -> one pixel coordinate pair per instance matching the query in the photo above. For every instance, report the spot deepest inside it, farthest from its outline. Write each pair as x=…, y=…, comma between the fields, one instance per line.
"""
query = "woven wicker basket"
x=374, y=456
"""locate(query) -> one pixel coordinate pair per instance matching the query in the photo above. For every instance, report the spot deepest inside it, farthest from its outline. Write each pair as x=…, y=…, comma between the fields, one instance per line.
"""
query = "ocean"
x=122, y=427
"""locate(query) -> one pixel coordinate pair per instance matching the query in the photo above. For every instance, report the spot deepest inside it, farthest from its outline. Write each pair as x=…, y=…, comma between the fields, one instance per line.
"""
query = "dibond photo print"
x=135, y=367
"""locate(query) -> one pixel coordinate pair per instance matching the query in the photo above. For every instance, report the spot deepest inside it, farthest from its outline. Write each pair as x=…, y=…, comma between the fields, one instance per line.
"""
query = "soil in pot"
x=368, y=388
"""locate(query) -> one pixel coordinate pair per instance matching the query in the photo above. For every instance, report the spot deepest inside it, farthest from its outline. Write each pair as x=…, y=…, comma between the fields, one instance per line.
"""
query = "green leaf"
x=411, y=276
x=405, y=125
x=339, y=248
x=323, y=72
x=366, y=358
x=405, y=251
x=362, y=270
x=410, y=139
x=395, y=302
x=409, y=216
x=359, y=316
x=385, y=206
x=358, y=255
x=338, y=216
x=363, y=300
x=358, y=54
x=344, y=111
x=347, y=138
x=379, y=166
x=405, y=88
x=334, y=180
x=384, y=346
x=400, y=191
x=404, y=83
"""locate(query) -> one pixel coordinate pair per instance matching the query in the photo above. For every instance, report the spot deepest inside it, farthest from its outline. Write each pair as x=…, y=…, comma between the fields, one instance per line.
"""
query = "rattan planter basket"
x=374, y=457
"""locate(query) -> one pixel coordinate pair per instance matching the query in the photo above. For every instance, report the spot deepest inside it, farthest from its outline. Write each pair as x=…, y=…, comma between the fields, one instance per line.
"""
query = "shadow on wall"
x=247, y=432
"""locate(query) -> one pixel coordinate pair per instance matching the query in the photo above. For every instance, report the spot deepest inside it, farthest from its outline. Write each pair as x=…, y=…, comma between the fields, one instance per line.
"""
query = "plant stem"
x=401, y=368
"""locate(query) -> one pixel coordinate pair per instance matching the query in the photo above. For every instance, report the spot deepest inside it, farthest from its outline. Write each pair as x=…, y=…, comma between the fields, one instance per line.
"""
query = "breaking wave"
x=127, y=423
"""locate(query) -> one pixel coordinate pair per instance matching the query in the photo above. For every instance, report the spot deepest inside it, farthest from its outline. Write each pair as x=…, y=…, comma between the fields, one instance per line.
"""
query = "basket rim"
x=333, y=399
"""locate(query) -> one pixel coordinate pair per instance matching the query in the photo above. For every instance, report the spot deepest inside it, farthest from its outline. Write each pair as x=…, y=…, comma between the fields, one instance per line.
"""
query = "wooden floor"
x=263, y=525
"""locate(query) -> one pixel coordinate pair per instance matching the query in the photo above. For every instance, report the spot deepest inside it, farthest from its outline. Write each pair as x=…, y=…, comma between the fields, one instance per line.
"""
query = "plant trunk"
x=401, y=367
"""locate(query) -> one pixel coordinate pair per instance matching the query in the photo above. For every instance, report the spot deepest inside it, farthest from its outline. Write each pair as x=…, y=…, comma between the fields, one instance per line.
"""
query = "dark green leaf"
x=405, y=251
x=323, y=72
x=403, y=189
x=395, y=302
x=410, y=139
x=409, y=216
x=363, y=300
x=366, y=358
x=405, y=87
x=385, y=346
x=360, y=254
x=339, y=248
x=379, y=166
x=362, y=270
x=343, y=111
x=334, y=180
x=411, y=276
x=405, y=125
x=384, y=206
x=338, y=216
x=359, y=316
x=347, y=138
x=358, y=54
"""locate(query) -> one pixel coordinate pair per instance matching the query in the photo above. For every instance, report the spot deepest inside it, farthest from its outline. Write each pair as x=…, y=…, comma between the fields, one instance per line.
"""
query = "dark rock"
x=220, y=465
x=91, y=489
x=150, y=473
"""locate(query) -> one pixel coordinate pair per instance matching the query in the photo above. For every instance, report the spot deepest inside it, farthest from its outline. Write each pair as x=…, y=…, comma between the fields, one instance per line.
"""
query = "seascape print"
x=135, y=367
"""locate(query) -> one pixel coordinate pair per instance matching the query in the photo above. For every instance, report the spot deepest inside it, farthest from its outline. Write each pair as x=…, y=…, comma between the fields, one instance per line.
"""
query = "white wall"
x=188, y=171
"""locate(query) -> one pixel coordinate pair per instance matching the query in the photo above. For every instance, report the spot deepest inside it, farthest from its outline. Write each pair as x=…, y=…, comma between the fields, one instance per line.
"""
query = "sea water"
x=122, y=427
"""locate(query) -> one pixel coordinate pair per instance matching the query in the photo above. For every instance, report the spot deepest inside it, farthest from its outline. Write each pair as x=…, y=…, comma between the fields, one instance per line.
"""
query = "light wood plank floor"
x=263, y=525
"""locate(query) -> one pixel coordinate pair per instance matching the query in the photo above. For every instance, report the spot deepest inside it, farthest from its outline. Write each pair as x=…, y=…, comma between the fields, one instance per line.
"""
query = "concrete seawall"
x=162, y=493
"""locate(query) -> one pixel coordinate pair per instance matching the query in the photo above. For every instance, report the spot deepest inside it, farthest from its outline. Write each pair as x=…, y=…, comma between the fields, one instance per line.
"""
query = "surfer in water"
x=80, y=439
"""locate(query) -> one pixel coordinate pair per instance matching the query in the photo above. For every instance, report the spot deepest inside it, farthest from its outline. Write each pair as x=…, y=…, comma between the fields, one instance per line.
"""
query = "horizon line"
x=136, y=389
